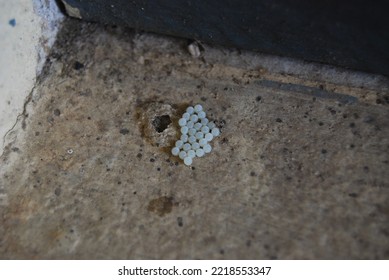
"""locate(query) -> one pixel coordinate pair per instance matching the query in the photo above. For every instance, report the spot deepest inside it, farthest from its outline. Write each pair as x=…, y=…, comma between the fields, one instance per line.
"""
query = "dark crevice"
x=160, y=123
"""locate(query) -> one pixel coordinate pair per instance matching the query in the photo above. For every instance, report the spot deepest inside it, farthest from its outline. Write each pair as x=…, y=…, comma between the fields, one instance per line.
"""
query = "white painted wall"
x=27, y=31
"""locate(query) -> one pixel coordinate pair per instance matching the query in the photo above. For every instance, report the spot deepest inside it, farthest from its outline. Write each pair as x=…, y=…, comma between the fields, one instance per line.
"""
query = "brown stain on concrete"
x=54, y=235
x=161, y=206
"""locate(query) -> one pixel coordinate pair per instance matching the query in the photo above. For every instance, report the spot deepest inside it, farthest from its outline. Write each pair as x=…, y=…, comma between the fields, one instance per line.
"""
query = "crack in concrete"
x=22, y=116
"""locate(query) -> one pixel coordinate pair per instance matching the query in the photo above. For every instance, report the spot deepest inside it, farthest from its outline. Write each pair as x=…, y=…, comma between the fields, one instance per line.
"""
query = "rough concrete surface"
x=300, y=170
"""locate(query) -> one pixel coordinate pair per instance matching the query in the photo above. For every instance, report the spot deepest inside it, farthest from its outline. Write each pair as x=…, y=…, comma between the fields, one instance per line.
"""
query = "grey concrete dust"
x=300, y=170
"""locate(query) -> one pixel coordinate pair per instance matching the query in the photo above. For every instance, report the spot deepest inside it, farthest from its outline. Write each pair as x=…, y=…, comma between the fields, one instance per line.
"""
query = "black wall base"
x=348, y=33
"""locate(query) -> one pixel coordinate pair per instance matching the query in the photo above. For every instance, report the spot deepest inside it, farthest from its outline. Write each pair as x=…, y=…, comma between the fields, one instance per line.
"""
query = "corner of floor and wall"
x=27, y=32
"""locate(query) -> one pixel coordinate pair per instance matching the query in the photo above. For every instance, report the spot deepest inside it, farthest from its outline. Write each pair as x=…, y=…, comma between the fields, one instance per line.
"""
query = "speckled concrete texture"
x=300, y=170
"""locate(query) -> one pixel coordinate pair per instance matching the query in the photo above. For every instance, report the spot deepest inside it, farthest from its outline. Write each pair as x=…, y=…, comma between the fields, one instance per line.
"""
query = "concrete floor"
x=300, y=170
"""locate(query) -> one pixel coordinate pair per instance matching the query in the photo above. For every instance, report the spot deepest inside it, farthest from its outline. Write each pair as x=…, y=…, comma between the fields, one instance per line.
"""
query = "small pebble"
x=204, y=121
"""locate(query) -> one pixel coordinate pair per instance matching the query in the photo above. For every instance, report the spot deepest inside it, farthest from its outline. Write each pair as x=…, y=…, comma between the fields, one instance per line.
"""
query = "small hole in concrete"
x=160, y=123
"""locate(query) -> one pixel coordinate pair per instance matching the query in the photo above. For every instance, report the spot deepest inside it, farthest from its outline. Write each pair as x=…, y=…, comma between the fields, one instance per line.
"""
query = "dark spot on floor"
x=352, y=125
x=139, y=155
x=248, y=243
x=124, y=131
x=161, y=206
x=368, y=119
x=320, y=123
x=159, y=169
x=221, y=252
x=12, y=22
x=57, y=191
x=78, y=65
x=180, y=221
x=220, y=123
x=252, y=173
x=353, y=195
x=152, y=160
x=323, y=151
x=203, y=99
x=278, y=120
x=332, y=110
x=378, y=101
x=160, y=123
x=57, y=112
x=258, y=98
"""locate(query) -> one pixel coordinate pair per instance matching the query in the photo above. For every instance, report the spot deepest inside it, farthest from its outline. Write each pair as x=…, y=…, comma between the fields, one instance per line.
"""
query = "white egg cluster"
x=196, y=134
